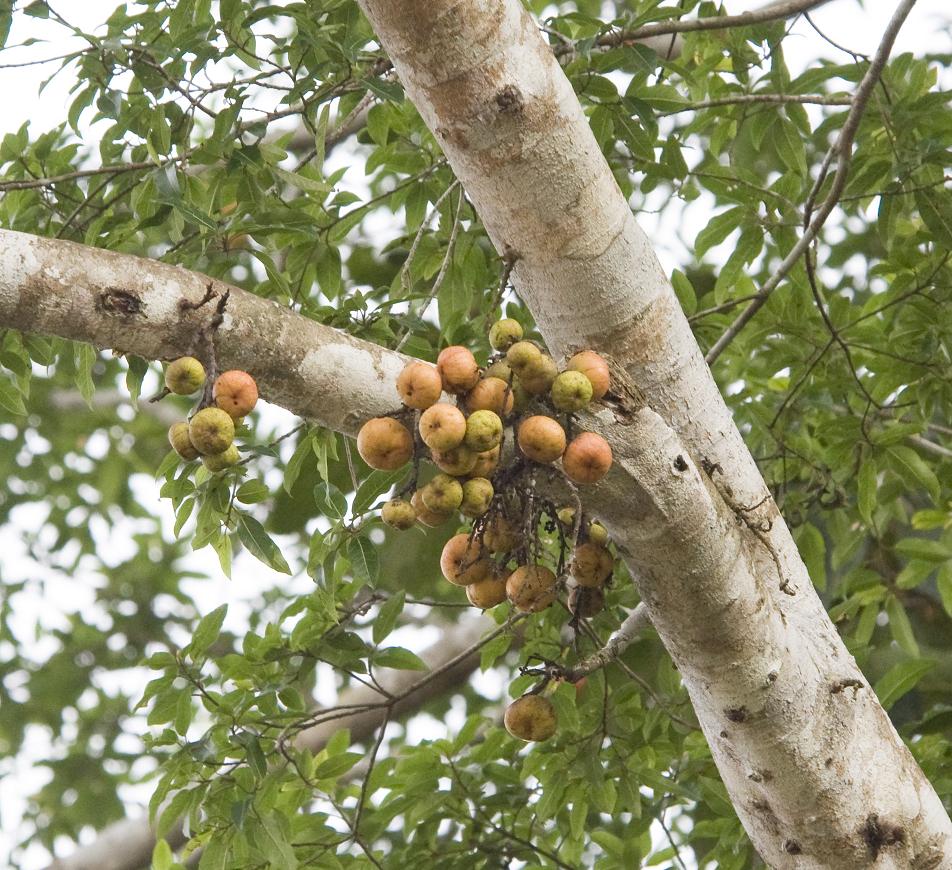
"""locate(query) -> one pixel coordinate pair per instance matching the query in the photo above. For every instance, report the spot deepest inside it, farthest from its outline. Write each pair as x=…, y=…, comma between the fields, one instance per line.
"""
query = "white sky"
x=853, y=24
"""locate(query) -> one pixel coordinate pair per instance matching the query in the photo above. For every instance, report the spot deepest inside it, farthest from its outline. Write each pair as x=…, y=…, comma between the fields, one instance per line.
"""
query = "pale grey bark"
x=808, y=755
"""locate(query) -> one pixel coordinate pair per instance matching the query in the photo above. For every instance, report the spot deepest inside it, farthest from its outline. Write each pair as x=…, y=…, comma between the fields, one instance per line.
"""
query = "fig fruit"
x=531, y=718
x=588, y=458
x=184, y=376
x=505, y=333
x=399, y=514
x=492, y=394
x=181, y=443
x=384, y=443
x=458, y=461
x=419, y=385
x=235, y=392
x=477, y=496
x=424, y=514
x=483, y=431
x=211, y=431
x=464, y=561
x=457, y=368
x=541, y=438
x=594, y=368
x=531, y=588
x=221, y=461
x=487, y=593
x=591, y=565
x=443, y=494
x=571, y=391
x=442, y=427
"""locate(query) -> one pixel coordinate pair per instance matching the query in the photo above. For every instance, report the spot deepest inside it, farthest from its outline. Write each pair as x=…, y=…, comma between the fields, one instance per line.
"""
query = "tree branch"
x=128, y=845
x=842, y=150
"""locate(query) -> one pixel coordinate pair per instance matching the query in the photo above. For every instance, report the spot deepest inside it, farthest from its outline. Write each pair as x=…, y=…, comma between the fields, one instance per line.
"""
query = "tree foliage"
x=270, y=146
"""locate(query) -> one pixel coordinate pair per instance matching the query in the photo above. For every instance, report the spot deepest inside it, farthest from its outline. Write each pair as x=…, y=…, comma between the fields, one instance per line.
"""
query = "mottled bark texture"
x=808, y=755
x=132, y=304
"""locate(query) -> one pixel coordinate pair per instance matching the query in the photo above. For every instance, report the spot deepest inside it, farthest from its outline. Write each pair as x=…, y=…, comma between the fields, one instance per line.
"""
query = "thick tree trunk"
x=814, y=767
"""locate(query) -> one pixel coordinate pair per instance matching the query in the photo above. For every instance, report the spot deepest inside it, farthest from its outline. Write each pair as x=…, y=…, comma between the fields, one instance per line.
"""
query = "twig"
x=842, y=149
x=635, y=623
x=444, y=266
x=771, y=12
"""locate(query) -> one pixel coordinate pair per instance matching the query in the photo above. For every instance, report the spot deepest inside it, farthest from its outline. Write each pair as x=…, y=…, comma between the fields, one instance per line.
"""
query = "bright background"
x=852, y=24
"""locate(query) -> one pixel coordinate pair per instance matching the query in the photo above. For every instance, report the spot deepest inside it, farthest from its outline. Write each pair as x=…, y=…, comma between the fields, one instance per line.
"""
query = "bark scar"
x=509, y=100
x=115, y=300
x=877, y=835
x=844, y=684
x=760, y=527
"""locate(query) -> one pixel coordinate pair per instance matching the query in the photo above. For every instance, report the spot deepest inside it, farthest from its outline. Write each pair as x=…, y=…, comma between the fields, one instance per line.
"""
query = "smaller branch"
x=444, y=266
x=771, y=12
x=930, y=446
x=842, y=148
x=635, y=623
x=746, y=99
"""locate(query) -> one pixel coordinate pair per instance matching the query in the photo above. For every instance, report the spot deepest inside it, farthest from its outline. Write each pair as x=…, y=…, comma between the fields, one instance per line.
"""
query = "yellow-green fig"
x=531, y=717
x=184, y=376
x=424, y=514
x=398, y=513
x=181, y=443
x=458, y=461
x=539, y=377
x=483, y=431
x=500, y=369
x=443, y=494
x=522, y=356
x=505, y=333
x=477, y=496
x=211, y=430
x=221, y=461
x=571, y=391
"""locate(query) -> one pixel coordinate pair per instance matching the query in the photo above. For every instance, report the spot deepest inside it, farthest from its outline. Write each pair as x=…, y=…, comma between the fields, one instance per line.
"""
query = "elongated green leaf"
x=258, y=542
x=400, y=659
x=900, y=679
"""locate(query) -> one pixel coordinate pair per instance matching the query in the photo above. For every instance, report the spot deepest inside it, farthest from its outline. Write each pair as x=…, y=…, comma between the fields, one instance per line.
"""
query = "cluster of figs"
x=493, y=481
x=210, y=433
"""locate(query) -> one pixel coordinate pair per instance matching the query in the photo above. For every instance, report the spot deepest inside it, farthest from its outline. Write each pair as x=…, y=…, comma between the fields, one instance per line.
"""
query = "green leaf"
x=812, y=548
x=944, y=585
x=337, y=765
x=398, y=658
x=789, y=144
x=85, y=359
x=252, y=492
x=935, y=207
x=161, y=856
x=258, y=542
x=914, y=470
x=272, y=836
x=866, y=490
x=302, y=452
x=387, y=616
x=207, y=631
x=376, y=483
x=900, y=679
x=900, y=627
x=10, y=398
x=364, y=560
